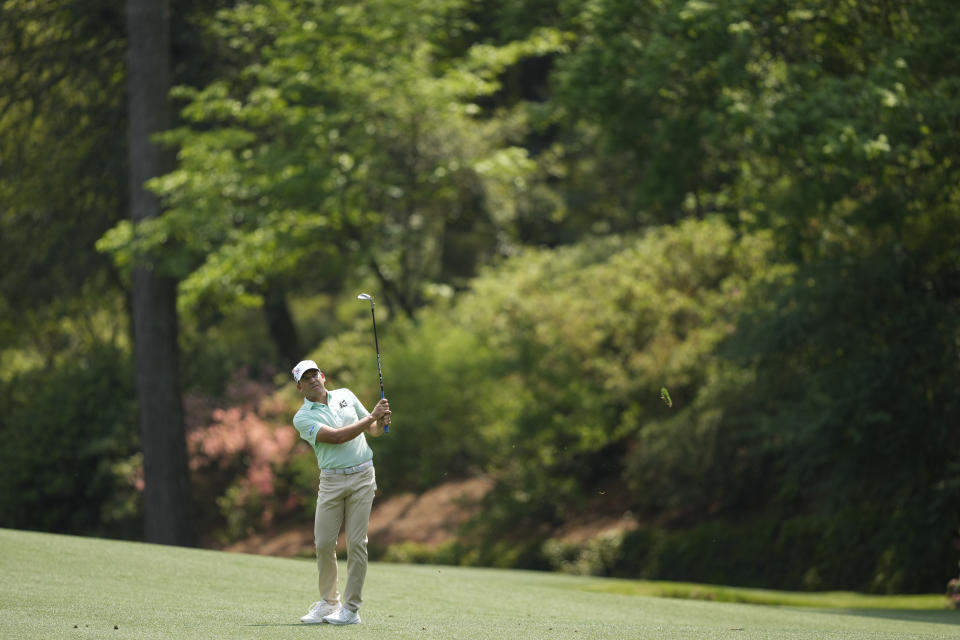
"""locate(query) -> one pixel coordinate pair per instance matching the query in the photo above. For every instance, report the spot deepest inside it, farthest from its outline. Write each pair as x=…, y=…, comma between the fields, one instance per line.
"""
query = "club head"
x=365, y=296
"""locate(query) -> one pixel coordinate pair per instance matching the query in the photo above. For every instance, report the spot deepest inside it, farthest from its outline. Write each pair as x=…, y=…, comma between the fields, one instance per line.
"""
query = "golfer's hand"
x=382, y=409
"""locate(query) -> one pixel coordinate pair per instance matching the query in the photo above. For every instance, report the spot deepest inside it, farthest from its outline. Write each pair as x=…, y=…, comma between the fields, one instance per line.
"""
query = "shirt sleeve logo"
x=343, y=404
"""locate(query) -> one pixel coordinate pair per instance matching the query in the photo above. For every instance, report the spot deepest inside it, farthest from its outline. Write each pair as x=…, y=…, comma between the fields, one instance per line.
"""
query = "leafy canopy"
x=340, y=143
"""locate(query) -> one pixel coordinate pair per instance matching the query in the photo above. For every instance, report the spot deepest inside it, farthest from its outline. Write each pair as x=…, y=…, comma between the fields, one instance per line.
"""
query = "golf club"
x=367, y=296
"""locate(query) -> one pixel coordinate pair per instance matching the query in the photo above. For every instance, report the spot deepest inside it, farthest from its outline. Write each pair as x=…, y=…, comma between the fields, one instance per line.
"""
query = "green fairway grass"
x=821, y=600
x=69, y=587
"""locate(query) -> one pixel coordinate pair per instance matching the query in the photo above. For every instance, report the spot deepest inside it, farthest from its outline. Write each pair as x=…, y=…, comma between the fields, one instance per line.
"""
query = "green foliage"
x=62, y=175
x=829, y=125
x=547, y=375
x=868, y=389
x=554, y=361
x=854, y=547
x=216, y=349
x=596, y=557
x=448, y=553
x=566, y=351
x=850, y=408
x=589, y=335
x=340, y=143
x=68, y=433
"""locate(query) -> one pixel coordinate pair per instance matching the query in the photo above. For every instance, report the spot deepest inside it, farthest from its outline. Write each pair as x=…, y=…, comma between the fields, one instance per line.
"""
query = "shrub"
x=245, y=459
x=595, y=557
x=448, y=553
x=69, y=431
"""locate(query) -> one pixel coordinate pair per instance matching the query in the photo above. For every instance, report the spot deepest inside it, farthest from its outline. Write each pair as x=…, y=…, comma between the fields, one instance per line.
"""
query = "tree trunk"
x=281, y=327
x=166, y=499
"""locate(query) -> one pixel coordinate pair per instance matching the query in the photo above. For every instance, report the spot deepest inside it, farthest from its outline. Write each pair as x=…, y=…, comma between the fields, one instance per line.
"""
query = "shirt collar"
x=310, y=404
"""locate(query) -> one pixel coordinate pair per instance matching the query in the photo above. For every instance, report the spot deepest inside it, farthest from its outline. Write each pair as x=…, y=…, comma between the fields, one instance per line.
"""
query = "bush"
x=247, y=460
x=813, y=553
x=448, y=553
x=598, y=556
x=69, y=434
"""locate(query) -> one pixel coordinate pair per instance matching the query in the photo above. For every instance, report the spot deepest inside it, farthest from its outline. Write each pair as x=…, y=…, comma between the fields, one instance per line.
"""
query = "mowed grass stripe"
x=53, y=583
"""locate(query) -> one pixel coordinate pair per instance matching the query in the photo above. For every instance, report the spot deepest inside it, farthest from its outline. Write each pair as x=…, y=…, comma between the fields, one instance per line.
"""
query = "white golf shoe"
x=343, y=616
x=317, y=612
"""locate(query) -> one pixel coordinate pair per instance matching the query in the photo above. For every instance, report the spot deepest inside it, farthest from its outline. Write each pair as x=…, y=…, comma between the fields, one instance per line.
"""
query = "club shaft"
x=376, y=345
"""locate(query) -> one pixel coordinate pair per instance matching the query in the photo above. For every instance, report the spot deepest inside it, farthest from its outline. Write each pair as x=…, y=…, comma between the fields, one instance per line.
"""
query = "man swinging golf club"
x=335, y=424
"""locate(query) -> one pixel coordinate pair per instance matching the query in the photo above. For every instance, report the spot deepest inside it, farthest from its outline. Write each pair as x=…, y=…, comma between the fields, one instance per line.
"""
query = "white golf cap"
x=302, y=367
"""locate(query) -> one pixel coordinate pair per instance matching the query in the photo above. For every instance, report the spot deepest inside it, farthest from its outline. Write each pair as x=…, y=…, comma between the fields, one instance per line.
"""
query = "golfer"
x=334, y=423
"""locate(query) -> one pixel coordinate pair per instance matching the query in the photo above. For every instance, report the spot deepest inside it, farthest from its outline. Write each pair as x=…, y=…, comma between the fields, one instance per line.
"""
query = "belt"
x=348, y=470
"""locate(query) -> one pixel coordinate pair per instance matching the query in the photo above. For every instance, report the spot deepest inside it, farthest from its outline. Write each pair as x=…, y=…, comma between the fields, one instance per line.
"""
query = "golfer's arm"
x=375, y=429
x=332, y=435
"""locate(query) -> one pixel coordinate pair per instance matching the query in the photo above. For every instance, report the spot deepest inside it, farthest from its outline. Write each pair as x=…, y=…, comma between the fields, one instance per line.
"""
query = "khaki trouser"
x=343, y=498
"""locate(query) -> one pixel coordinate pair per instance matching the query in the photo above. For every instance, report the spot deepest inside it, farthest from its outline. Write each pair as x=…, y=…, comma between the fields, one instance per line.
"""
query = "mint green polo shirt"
x=342, y=409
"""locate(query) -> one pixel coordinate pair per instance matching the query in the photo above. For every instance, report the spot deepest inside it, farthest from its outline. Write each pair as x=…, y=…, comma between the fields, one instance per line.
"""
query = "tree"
x=64, y=306
x=167, y=491
x=832, y=124
x=62, y=171
x=342, y=141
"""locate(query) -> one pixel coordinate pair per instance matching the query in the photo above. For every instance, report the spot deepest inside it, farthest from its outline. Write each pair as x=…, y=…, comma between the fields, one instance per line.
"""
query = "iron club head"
x=365, y=296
